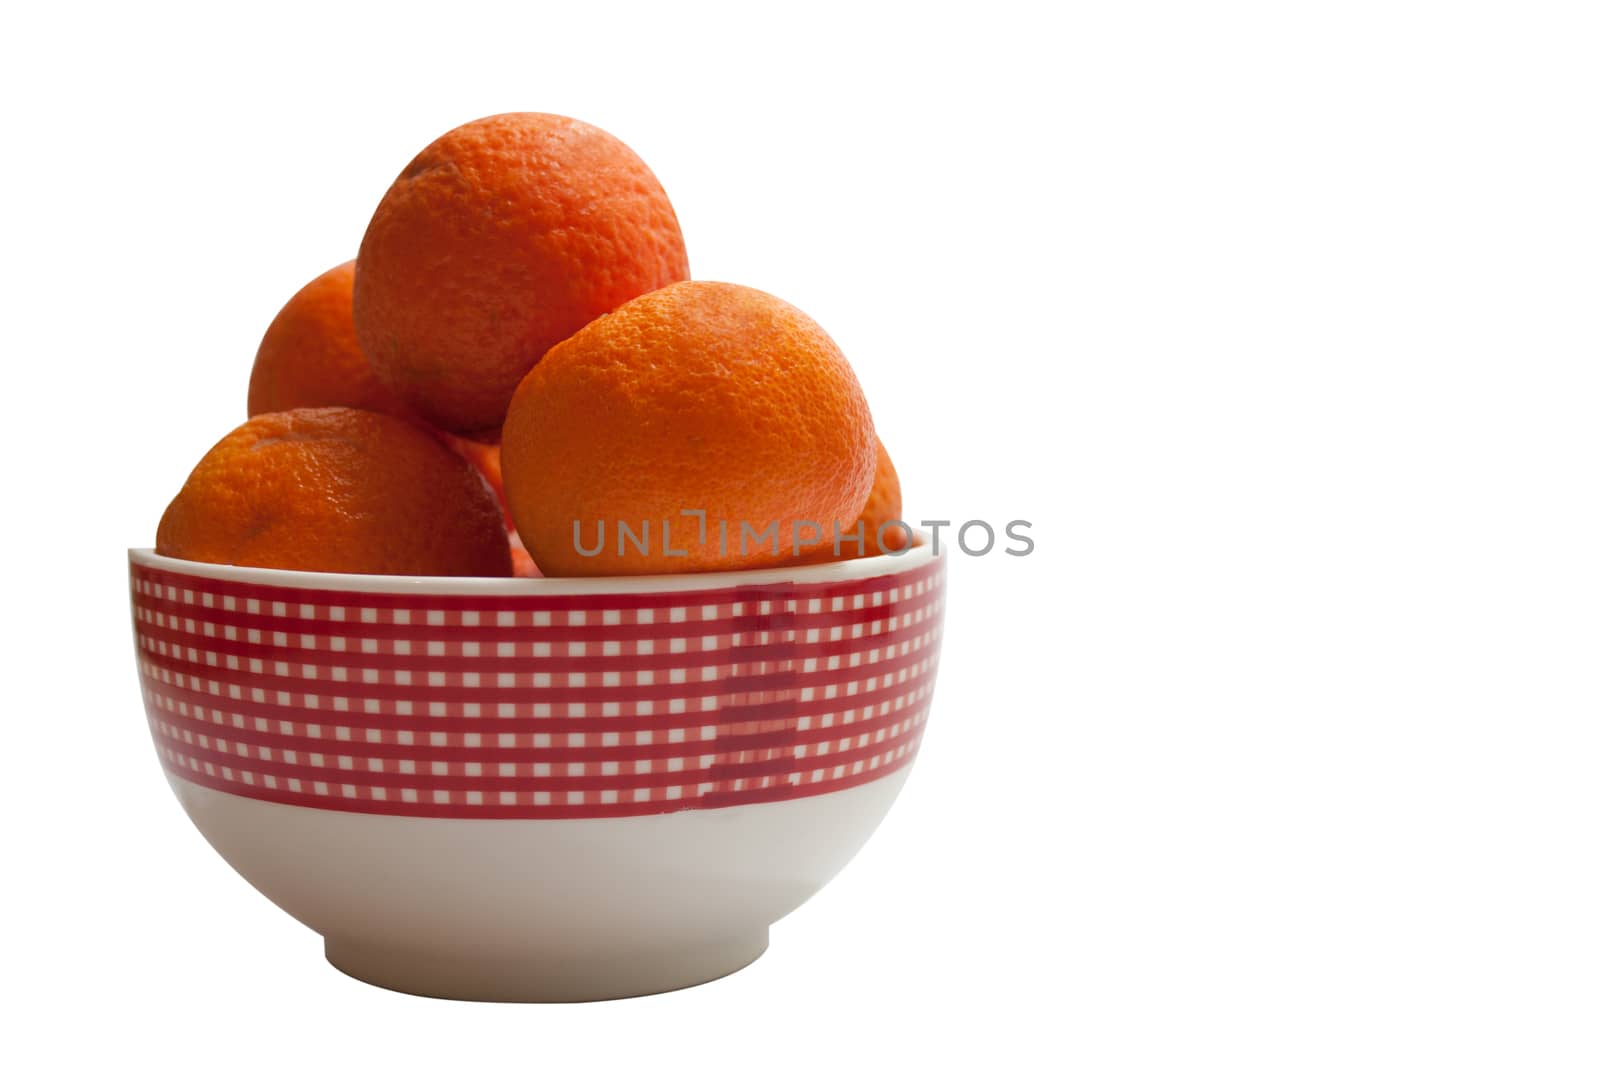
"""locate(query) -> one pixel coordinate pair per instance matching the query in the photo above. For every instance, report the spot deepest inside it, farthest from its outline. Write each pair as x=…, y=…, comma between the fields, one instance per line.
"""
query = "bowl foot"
x=539, y=979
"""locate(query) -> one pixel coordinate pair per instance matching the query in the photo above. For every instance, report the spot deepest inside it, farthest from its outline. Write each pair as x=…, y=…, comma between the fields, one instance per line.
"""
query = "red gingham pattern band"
x=565, y=706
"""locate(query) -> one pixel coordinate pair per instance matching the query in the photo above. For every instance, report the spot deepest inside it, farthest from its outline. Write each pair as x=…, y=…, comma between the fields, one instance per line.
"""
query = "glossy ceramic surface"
x=538, y=789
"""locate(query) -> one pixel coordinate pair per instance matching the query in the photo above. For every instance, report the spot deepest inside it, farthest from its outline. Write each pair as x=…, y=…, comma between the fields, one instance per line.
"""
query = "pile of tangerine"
x=515, y=365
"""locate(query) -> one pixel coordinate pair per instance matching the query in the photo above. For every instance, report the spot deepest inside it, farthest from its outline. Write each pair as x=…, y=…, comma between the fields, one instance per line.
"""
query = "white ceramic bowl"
x=549, y=789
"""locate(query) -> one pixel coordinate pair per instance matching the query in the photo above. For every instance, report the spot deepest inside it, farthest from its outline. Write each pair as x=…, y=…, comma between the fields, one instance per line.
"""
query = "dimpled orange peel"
x=701, y=396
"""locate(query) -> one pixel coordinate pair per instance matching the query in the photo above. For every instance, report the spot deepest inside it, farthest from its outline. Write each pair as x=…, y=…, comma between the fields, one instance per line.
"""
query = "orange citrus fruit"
x=700, y=395
x=485, y=459
x=502, y=238
x=522, y=564
x=336, y=489
x=883, y=505
x=309, y=357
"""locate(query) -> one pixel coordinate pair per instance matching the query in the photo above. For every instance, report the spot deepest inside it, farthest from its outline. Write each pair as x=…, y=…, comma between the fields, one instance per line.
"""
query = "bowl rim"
x=838, y=571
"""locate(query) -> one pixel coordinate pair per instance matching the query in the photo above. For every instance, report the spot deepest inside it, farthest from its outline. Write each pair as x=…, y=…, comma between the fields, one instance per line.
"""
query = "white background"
x=1278, y=321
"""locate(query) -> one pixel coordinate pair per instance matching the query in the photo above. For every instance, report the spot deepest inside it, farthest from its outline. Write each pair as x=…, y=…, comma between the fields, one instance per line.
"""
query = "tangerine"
x=310, y=358
x=500, y=239
x=336, y=489
x=703, y=396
